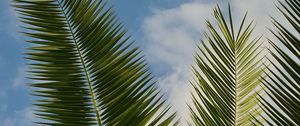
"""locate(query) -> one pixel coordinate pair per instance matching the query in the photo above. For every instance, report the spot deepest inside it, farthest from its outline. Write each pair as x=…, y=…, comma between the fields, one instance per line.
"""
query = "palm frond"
x=86, y=70
x=283, y=83
x=227, y=72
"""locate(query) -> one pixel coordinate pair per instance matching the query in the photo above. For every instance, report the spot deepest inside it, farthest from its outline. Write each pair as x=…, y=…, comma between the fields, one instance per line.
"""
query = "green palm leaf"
x=227, y=72
x=85, y=69
x=283, y=83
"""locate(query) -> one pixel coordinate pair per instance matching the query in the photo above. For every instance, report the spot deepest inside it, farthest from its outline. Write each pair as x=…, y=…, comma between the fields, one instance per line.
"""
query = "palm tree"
x=85, y=69
x=283, y=76
x=227, y=71
x=87, y=72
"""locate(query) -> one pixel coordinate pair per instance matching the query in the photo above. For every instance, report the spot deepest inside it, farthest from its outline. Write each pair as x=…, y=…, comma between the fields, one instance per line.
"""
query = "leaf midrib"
x=83, y=65
x=236, y=85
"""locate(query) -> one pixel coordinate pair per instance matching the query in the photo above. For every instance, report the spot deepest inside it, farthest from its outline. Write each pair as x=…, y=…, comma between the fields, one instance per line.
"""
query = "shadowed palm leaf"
x=226, y=75
x=86, y=71
x=283, y=83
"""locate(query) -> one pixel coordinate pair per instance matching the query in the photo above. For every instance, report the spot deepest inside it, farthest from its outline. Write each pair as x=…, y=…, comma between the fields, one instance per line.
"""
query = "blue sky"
x=166, y=30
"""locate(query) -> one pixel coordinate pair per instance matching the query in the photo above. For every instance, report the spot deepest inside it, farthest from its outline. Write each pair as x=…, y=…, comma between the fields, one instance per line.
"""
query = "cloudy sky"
x=166, y=30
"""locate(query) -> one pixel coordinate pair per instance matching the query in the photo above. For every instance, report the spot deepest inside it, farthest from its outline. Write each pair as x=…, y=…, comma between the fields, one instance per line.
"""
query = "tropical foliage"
x=283, y=82
x=227, y=71
x=85, y=69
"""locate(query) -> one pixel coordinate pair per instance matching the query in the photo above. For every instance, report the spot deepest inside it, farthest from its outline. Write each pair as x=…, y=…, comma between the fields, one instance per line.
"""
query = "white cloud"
x=22, y=117
x=171, y=34
x=260, y=11
x=174, y=32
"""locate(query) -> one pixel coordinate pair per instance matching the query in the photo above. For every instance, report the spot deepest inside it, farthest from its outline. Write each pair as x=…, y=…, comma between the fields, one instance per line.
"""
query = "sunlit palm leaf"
x=86, y=71
x=228, y=67
x=283, y=83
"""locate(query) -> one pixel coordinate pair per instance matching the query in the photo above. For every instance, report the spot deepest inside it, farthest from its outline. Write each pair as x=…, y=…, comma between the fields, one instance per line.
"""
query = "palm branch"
x=283, y=82
x=85, y=69
x=227, y=71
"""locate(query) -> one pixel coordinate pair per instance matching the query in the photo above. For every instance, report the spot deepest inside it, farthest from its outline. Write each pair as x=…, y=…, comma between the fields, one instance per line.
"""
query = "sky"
x=167, y=31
